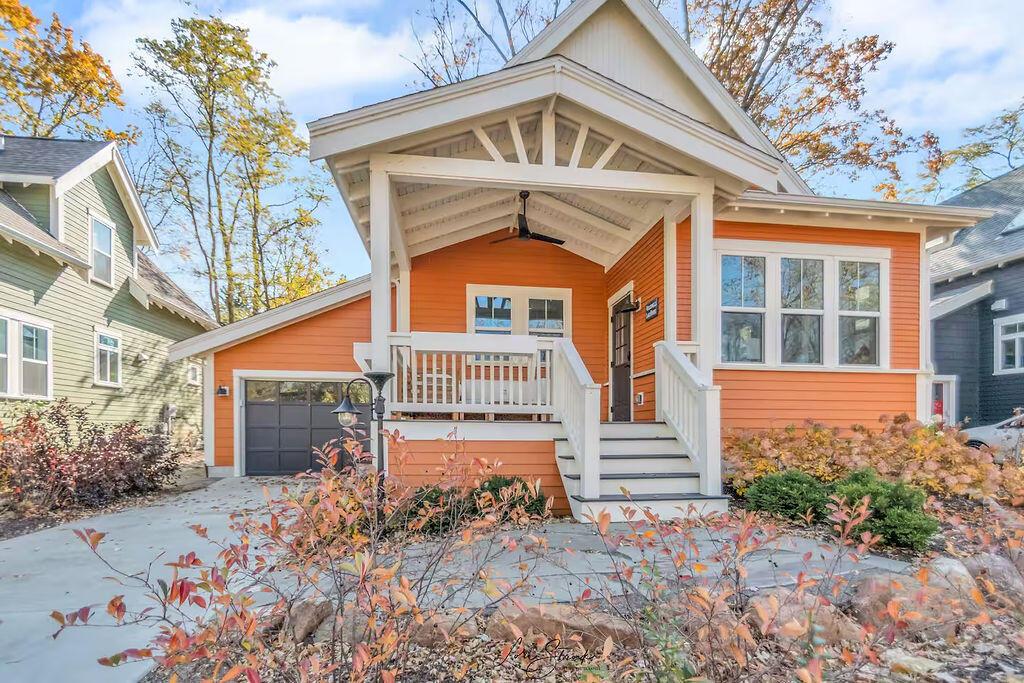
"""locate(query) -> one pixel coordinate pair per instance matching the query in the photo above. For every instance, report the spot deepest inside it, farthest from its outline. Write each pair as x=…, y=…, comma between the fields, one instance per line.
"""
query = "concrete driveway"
x=52, y=569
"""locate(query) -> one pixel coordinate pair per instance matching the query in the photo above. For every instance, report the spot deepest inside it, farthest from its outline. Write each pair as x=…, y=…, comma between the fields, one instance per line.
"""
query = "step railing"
x=577, y=402
x=442, y=372
x=691, y=407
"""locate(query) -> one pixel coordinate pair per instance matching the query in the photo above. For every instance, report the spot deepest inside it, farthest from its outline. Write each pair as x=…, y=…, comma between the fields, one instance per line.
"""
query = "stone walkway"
x=51, y=569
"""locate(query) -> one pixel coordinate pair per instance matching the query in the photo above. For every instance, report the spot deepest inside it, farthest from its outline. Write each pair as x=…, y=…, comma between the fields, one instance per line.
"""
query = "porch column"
x=671, y=287
x=404, y=305
x=380, y=268
x=702, y=225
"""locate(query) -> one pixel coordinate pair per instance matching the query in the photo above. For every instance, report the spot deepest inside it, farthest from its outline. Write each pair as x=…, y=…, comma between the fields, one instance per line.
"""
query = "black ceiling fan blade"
x=545, y=238
x=524, y=227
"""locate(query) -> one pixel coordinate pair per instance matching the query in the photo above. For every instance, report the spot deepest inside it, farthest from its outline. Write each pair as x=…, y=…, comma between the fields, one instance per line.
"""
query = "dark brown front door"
x=622, y=360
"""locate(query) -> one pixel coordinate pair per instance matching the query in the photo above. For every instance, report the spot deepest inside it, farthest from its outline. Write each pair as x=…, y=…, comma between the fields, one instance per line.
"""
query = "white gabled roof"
x=260, y=324
x=691, y=66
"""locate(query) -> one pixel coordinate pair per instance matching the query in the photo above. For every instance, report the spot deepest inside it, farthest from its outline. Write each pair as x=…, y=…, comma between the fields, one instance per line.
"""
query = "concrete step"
x=642, y=483
x=666, y=505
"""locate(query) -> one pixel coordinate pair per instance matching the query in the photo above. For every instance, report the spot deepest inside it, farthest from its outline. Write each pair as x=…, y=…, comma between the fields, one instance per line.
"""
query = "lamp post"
x=348, y=414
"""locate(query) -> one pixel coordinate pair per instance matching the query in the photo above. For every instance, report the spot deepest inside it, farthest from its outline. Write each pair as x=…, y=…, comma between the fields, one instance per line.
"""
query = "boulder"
x=950, y=574
x=1004, y=576
x=901, y=661
x=777, y=609
x=349, y=626
x=510, y=622
x=937, y=609
x=441, y=627
x=306, y=616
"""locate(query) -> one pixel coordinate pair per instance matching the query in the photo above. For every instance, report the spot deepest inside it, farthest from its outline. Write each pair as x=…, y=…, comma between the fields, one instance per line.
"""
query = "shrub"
x=450, y=506
x=897, y=509
x=514, y=491
x=55, y=457
x=933, y=457
x=790, y=494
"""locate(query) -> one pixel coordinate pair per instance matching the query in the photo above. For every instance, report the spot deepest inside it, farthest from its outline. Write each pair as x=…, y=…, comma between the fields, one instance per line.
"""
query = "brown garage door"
x=284, y=421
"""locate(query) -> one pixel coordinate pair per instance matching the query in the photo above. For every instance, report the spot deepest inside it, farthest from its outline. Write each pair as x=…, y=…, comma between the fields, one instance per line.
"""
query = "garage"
x=285, y=420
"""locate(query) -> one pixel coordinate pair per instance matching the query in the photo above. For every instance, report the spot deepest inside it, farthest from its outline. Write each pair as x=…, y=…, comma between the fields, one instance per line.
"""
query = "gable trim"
x=954, y=303
x=545, y=42
x=262, y=323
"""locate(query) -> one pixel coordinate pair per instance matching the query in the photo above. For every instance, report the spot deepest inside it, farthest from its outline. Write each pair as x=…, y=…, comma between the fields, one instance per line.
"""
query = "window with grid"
x=102, y=257
x=108, y=359
x=1009, y=351
x=743, y=309
x=35, y=361
x=859, y=312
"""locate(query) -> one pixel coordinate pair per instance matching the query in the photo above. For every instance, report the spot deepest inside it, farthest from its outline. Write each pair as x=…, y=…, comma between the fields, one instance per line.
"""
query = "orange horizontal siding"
x=319, y=343
x=424, y=463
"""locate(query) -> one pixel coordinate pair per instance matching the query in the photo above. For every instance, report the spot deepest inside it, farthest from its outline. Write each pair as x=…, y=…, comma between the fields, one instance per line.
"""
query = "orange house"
x=590, y=265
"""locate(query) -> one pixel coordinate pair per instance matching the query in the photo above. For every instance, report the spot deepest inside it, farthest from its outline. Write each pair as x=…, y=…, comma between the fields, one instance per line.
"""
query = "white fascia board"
x=685, y=58
x=553, y=76
x=994, y=262
x=928, y=215
x=41, y=247
x=262, y=323
x=965, y=298
x=85, y=169
x=26, y=179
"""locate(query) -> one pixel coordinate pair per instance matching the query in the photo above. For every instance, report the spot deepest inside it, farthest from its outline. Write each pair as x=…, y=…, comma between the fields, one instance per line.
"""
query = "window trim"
x=520, y=297
x=773, y=253
x=15, y=322
x=107, y=332
x=997, y=344
x=188, y=370
x=110, y=225
x=950, y=389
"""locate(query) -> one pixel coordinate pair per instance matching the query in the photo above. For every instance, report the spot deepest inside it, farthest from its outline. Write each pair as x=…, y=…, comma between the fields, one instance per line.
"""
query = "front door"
x=621, y=392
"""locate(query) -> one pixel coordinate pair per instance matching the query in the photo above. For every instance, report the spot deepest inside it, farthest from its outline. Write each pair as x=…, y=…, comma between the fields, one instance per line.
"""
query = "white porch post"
x=380, y=268
x=671, y=296
x=404, y=305
x=702, y=225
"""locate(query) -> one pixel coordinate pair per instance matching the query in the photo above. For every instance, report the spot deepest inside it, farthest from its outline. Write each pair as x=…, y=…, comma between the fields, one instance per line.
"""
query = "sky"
x=956, y=63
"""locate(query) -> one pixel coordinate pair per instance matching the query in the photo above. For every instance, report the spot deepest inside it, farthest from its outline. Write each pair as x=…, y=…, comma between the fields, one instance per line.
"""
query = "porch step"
x=634, y=464
x=635, y=430
x=643, y=483
x=665, y=505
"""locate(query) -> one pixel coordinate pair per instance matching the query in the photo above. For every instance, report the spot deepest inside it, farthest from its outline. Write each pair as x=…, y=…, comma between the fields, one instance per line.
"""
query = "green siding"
x=35, y=198
x=38, y=286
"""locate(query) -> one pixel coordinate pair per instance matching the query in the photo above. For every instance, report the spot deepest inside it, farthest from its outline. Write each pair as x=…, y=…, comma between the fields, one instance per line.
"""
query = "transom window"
x=500, y=309
x=1009, y=345
x=798, y=305
x=108, y=358
x=25, y=351
x=102, y=251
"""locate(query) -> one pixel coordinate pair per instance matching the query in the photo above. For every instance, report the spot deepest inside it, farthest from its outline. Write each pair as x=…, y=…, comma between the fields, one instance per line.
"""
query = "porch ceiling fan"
x=524, y=232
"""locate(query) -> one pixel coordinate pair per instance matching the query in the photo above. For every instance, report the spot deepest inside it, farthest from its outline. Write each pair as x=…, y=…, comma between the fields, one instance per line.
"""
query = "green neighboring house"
x=84, y=314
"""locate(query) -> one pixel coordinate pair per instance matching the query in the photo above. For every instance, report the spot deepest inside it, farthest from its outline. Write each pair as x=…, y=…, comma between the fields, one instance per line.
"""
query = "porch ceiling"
x=597, y=224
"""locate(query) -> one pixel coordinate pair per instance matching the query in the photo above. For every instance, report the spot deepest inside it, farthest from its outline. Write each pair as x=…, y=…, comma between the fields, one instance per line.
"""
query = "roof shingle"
x=48, y=157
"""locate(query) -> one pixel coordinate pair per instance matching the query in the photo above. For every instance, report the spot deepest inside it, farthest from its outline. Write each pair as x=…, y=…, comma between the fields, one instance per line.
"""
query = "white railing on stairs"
x=691, y=407
x=577, y=402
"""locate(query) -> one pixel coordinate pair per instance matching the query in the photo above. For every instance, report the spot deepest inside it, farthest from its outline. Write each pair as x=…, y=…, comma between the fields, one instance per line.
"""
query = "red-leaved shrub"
x=55, y=457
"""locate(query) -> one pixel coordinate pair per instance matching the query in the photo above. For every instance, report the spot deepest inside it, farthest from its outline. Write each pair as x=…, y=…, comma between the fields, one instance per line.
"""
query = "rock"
x=441, y=627
x=349, y=626
x=782, y=606
x=306, y=616
x=950, y=574
x=939, y=608
x=1003, y=575
x=509, y=622
x=901, y=661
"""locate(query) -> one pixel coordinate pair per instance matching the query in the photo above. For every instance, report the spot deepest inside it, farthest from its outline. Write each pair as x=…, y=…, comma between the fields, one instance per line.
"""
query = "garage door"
x=284, y=421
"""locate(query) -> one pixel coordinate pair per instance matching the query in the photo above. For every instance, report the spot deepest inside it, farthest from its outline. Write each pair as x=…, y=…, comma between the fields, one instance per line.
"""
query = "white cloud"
x=955, y=63
x=320, y=58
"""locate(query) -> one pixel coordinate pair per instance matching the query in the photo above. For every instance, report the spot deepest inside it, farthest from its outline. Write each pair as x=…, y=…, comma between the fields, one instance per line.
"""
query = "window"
x=944, y=388
x=538, y=311
x=194, y=374
x=25, y=350
x=800, y=305
x=102, y=252
x=108, y=358
x=1009, y=345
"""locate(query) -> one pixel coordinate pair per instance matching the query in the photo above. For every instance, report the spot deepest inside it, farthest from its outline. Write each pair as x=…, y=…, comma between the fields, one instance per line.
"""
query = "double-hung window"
x=25, y=357
x=1009, y=345
x=101, y=247
x=802, y=305
x=107, y=358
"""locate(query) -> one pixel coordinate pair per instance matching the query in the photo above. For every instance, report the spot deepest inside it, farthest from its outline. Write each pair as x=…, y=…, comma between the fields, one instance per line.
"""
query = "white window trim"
x=15, y=321
x=773, y=252
x=109, y=224
x=520, y=297
x=107, y=332
x=951, y=387
x=997, y=344
x=194, y=365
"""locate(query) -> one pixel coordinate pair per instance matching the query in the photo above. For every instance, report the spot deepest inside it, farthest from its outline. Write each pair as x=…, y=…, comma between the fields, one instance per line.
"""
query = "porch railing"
x=440, y=372
x=577, y=400
x=691, y=407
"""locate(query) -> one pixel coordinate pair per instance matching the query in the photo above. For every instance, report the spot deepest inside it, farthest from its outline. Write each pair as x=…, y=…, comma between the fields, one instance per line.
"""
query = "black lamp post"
x=348, y=414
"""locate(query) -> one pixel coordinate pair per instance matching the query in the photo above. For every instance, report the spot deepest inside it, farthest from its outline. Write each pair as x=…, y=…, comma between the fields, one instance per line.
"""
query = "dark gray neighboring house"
x=977, y=308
